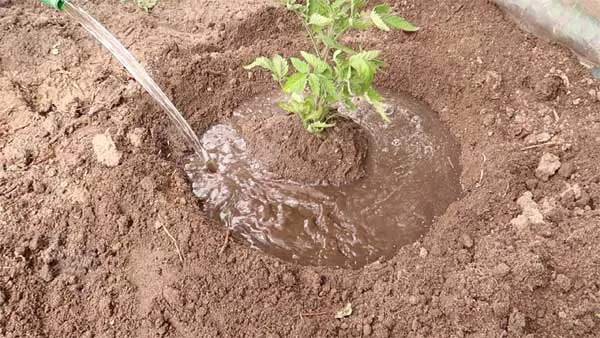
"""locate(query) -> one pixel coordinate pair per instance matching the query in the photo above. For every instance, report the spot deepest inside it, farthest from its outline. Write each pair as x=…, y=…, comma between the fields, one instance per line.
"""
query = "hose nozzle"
x=56, y=4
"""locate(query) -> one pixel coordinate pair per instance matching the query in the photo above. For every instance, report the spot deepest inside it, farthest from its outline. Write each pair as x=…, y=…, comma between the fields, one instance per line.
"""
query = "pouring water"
x=108, y=40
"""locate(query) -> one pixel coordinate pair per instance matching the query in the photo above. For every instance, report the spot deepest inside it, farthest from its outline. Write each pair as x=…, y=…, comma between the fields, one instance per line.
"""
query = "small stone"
x=21, y=251
x=530, y=212
x=563, y=282
x=570, y=195
x=549, y=88
x=566, y=170
x=467, y=241
x=576, y=102
x=47, y=273
x=531, y=183
x=240, y=16
x=106, y=150
x=136, y=137
x=344, y=326
x=549, y=207
x=562, y=314
x=516, y=323
x=234, y=81
x=413, y=300
x=124, y=223
x=39, y=187
x=501, y=270
x=549, y=164
x=289, y=279
x=423, y=253
x=367, y=330
x=538, y=138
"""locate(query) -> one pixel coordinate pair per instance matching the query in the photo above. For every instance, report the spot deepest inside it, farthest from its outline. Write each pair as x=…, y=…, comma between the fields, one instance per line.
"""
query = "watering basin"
x=412, y=176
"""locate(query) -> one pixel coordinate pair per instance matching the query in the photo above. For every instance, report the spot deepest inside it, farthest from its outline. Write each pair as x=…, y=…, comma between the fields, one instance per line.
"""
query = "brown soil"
x=84, y=248
x=282, y=145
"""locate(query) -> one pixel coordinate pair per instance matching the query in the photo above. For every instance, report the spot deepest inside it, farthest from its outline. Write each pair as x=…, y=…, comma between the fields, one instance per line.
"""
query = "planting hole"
x=412, y=175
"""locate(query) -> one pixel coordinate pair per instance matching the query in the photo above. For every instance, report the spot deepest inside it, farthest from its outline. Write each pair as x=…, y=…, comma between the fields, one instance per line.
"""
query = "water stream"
x=110, y=42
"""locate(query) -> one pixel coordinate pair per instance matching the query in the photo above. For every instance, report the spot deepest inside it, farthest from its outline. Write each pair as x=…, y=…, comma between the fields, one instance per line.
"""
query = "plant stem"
x=310, y=34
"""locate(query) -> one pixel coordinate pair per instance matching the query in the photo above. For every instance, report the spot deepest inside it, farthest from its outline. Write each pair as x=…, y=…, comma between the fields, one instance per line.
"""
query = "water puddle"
x=413, y=175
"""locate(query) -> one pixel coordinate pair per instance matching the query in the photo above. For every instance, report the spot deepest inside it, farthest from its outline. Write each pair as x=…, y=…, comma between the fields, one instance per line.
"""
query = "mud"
x=411, y=177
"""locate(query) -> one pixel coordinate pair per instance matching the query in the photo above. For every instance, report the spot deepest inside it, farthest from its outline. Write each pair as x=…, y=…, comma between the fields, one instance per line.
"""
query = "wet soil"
x=90, y=250
x=284, y=148
x=411, y=176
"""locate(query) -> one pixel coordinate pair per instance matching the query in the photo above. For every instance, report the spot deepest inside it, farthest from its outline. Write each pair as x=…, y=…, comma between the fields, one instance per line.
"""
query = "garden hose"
x=56, y=4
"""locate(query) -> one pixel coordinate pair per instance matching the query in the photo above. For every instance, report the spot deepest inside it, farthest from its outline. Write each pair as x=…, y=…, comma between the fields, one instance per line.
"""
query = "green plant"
x=147, y=5
x=334, y=73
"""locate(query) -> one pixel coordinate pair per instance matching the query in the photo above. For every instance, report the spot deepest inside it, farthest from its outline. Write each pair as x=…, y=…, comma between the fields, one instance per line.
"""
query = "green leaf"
x=345, y=312
x=295, y=84
x=374, y=98
x=378, y=21
x=339, y=3
x=312, y=5
x=382, y=9
x=314, y=83
x=319, y=66
x=399, y=23
x=328, y=86
x=362, y=67
x=330, y=42
x=300, y=65
x=262, y=62
x=319, y=20
x=280, y=67
x=318, y=127
x=369, y=55
x=361, y=24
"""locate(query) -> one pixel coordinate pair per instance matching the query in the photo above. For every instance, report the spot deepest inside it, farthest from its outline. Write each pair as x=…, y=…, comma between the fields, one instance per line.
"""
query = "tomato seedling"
x=334, y=73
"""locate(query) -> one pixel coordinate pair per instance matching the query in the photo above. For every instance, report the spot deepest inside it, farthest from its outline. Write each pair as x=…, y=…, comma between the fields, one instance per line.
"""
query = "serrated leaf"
x=319, y=66
x=382, y=9
x=374, y=98
x=314, y=83
x=262, y=62
x=330, y=42
x=369, y=55
x=361, y=24
x=395, y=22
x=319, y=20
x=378, y=21
x=338, y=3
x=300, y=65
x=363, y=68
x=280, y=67
x=295, y=83
x=345, y=312
x=328, y=86
x=311, y=5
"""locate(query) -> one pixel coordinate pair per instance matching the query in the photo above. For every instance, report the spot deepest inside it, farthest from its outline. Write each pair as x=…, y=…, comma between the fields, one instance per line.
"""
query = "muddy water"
x=413, y=175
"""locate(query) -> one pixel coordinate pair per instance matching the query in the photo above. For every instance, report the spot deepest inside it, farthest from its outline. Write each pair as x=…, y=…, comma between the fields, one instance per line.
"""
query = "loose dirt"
x=83, y=250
